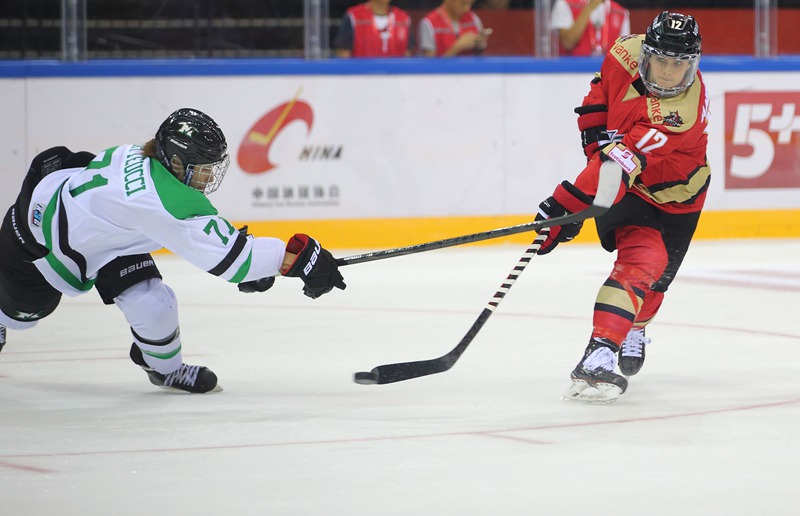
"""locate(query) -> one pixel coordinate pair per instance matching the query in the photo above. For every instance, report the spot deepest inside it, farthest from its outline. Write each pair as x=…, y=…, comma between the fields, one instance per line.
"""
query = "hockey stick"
x=391, y=373
x=608, y=186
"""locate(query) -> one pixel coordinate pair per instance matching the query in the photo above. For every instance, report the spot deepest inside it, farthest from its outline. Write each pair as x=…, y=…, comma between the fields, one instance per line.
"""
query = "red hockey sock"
x=652, y=302
x=641, y=260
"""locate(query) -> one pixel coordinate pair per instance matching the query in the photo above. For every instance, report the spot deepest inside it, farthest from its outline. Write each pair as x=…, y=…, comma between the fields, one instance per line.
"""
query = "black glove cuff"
x=591, y=108
x=259, y=285
x=594, y=135
x=552, y=208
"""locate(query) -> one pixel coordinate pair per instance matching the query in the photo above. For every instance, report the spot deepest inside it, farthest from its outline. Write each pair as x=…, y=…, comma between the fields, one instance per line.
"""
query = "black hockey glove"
x=550, y=208
x=259, y=285
x=314, y=265
x=592, y=120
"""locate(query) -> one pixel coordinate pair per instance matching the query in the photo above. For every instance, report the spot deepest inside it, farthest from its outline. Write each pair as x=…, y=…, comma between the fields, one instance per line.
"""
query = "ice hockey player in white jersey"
x=83, y=221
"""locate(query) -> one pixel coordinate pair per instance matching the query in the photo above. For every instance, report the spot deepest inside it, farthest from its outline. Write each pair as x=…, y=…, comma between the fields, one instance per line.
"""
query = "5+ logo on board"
x=762, y=139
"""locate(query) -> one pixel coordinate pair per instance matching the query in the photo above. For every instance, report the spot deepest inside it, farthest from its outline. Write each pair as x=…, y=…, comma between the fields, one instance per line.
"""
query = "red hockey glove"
x=565, y=194
x=314, y=265
x=592, y=120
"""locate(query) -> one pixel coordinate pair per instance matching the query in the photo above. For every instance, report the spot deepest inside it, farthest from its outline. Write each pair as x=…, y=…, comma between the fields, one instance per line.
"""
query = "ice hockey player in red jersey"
x=647, y=111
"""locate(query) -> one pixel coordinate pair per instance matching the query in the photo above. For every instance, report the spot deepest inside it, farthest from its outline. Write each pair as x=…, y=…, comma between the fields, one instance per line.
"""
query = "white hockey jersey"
x=123, y=203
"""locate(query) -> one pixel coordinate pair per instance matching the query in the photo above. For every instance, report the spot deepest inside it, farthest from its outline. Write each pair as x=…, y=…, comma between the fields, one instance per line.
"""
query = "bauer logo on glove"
x=313, y=260
x=314, y=265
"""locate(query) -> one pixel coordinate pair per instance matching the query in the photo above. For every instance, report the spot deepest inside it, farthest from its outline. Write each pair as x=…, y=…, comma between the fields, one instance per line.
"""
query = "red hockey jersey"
x=661, y=142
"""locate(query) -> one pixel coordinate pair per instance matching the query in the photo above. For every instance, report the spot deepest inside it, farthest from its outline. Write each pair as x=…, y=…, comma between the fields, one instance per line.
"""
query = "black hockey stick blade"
x=607, y=188
x=391, y=373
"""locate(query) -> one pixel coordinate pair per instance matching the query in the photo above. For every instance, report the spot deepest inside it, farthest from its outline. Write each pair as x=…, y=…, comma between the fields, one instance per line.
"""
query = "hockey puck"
x=365, y=378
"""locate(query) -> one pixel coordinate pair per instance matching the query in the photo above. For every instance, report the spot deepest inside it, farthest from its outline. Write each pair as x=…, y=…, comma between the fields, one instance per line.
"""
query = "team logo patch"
x=27, y=316
x=36, y=217
x=673, y=119
x=187, y=129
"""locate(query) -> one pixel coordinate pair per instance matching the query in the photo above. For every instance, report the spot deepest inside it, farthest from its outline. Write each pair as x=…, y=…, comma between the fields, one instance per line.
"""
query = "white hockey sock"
x=151, y=309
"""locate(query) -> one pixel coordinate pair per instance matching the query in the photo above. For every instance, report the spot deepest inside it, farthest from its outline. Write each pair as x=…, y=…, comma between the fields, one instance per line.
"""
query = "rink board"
x=379, y=153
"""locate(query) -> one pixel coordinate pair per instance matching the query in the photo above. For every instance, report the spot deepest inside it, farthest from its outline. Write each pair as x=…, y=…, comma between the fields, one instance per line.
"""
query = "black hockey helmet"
x=191, y=145
x=673, y=38
x=675, y=33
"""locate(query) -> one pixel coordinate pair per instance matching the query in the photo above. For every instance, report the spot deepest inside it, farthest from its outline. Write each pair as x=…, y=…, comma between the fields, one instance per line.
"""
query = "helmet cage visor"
x=653, y=61
x=204, y=177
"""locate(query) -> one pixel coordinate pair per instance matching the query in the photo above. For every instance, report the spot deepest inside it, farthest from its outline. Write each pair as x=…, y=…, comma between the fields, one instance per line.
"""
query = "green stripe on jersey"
x=181, y=201
x=55, y=264
x=243, y=270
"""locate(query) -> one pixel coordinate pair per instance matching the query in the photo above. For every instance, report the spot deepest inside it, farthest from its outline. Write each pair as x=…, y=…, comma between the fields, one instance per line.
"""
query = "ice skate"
x=631, y=353
x=188, y=378
x=2, y=337
x=594, y=379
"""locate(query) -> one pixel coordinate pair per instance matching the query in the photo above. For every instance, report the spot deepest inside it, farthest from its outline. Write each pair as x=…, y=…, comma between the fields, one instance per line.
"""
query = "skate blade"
x=598, y=394
x=217, y=388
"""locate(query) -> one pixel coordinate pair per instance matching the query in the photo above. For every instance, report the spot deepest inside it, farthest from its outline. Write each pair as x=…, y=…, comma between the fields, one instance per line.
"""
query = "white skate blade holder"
x=600, y=394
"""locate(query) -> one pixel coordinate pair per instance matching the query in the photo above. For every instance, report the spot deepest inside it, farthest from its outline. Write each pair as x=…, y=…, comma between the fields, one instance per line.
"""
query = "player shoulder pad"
x=626, y=52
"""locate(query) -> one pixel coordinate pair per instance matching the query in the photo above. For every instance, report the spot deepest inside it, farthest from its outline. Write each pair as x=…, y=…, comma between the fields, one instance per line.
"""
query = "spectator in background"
x=374, y=29
x=588, y=27
x=452, y=29
x=492, y=4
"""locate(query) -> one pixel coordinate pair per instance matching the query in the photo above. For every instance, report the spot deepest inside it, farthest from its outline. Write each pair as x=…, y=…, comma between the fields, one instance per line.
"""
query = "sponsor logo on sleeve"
x=625, y=159
x=37, y=215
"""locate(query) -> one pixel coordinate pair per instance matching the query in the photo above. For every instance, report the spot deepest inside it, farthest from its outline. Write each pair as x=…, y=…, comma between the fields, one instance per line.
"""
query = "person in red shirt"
x=647, y=112
x=588, y=27
x=374, y=29
x=452, y=29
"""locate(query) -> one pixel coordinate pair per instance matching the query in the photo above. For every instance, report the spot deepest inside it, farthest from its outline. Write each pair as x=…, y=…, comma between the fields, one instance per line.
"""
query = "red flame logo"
x=253, y=154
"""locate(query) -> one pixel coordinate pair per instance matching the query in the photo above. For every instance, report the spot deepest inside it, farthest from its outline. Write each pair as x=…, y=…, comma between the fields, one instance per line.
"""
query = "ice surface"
x=709, y=427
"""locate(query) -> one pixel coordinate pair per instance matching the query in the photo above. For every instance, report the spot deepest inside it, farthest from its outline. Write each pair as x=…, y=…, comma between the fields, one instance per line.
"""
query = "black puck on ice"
x=365, y=378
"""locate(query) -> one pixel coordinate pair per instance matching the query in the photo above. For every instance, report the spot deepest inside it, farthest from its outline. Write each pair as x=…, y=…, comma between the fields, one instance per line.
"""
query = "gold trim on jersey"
x=626, y=51
x=676, y=114
x=632, y=92
x=681, y=192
